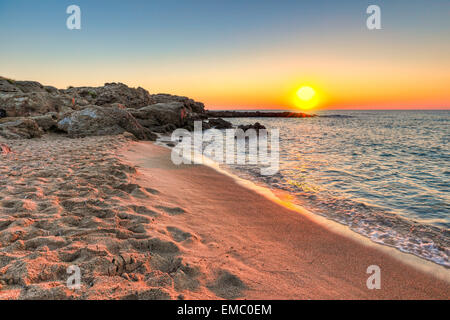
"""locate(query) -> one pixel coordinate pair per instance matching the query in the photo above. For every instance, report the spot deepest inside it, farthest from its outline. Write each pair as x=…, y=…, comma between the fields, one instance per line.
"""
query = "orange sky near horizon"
x=270, y=80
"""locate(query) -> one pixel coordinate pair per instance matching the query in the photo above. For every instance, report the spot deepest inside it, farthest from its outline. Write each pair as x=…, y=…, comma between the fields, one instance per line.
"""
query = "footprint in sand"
x=11, y=204
x=143, y=210
x=155, y=245
x=179, y=235
x=123, y=263
x=14, y=205
x=4, y=223
x=133, y=218
x=173, y=211
x=227, y=285
x=136, y=189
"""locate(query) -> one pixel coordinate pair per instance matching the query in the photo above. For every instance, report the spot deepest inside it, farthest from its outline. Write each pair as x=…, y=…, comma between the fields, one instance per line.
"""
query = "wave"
x=379, y=225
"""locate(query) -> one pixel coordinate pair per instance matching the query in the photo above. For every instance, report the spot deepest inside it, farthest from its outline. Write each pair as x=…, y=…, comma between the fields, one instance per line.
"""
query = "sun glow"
x=306, y=98
x=306, y=93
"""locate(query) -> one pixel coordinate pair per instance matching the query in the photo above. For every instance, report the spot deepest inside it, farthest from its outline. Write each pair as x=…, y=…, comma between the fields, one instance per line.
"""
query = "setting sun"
x=306, y=93
x=306, y=97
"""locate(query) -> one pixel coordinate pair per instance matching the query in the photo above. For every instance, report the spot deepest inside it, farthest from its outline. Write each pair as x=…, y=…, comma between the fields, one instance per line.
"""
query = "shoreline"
x=277, y=195
x=390, y=256
x=139, y=227
x=431, y=267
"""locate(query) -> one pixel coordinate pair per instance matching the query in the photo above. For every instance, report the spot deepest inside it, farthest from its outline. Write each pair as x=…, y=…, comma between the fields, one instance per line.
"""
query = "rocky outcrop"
x=83, y=111
x=47, y=122
x=112, y=93
x=21, y=104
x=161, y=117
x=219, y=124
x=256, y=126
x=29, y=86
x=8, y=85
x=98, y=121
x=30, y=98
x=189, y=104
x=23, y=128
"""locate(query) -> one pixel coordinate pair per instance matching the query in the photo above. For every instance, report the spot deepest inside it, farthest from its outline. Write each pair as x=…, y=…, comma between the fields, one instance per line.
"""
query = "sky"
x=238, y=54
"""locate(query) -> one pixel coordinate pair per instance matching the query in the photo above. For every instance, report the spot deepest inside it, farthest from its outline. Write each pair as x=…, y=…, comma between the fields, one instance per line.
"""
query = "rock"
x=29, y=86
x=8, y=85
x=23, y=128
x=161, y=117
x=21, y=104
x=98, y=121
x=148, y=294
x=30, y=98
x=164, y=128
x=129, y=136
x=51, y=89
x=220, y=124
x=45, y=291
x=112, y=93
x=189, y=104
x=47, y=122
x=53, y=108
x=256, y=126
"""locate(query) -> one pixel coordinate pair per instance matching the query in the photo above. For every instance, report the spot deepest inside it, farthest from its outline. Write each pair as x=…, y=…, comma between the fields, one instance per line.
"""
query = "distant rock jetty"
x=258, y=114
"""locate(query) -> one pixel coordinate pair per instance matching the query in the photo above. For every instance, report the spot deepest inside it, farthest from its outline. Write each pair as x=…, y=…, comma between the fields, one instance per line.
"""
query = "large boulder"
x=256, y=126
x=112, y=93
x=189, y=104
x=47, y=122
x=98, y=121
x=8, y=85
x=21, y=104
x=29, y=86
x=219, y=124
x=30, y=98
x=22, y=128
x=161, y=117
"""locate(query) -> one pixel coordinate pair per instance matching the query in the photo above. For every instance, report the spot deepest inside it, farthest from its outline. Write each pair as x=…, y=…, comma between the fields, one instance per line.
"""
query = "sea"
x=384, y=174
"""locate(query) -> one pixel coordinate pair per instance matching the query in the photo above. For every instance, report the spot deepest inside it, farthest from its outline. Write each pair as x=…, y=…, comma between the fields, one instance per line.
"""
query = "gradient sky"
x=238, y=54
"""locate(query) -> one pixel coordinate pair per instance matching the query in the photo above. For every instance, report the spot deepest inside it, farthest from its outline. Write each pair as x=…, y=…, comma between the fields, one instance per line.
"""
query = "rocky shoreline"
x=29, y=109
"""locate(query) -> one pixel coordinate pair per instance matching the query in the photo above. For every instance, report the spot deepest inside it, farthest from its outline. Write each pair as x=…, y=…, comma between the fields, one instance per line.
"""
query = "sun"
x=306, y=93
x=306, y=97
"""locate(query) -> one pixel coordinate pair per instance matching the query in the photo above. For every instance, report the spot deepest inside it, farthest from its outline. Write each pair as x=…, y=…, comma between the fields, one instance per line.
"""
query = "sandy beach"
x=139, y=227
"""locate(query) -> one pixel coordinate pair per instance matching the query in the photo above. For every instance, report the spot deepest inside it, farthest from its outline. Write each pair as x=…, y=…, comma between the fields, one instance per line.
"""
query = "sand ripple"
x=67, y=202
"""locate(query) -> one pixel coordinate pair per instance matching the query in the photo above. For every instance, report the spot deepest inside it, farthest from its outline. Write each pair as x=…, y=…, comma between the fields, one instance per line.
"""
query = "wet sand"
x=139, y=227
x=277, y=253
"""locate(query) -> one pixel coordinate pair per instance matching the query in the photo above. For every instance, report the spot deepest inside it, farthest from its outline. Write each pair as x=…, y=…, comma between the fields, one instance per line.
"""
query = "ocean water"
x=385, y=174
